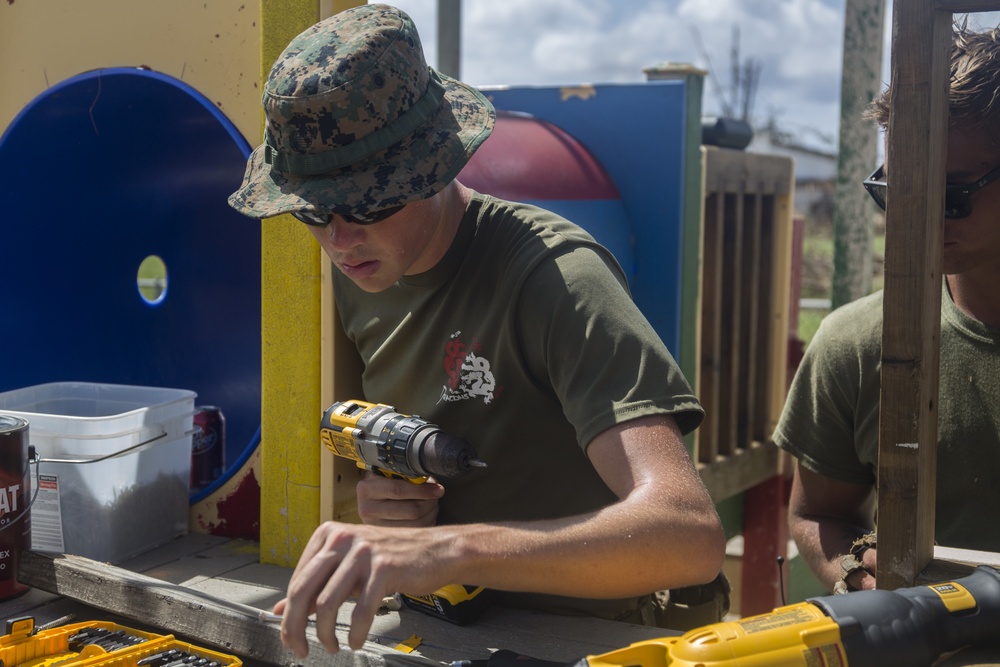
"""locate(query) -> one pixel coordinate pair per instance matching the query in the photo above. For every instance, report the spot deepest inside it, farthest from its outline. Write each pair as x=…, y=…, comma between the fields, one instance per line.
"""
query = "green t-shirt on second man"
x=830, y=419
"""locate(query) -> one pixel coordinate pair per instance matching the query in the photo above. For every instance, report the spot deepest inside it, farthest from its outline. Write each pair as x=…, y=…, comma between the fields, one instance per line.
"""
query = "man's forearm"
x=825, y=516
x=823, y=542
x=615, y=552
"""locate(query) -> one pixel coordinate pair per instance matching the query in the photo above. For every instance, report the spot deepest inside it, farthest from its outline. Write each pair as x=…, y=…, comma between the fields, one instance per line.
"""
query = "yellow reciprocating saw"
x=378, y=438
x=908, y=627
x=902, y=628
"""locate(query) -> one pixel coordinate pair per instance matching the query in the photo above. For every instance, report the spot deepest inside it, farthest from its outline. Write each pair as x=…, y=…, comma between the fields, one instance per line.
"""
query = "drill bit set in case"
x=103, y=644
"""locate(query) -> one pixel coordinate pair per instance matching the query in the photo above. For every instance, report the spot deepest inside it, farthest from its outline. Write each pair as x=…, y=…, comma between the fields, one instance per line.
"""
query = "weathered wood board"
x=209, y=591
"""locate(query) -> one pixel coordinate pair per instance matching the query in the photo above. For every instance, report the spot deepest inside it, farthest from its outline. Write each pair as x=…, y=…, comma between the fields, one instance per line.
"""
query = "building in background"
x=815, y=169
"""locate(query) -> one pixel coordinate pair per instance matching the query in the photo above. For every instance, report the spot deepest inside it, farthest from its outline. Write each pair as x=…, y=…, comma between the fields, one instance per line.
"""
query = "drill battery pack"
x=100, y=644
x=455, y=602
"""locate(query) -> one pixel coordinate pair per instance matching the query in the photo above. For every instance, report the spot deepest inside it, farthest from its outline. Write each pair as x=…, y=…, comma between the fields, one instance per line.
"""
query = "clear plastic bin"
x=115, y=465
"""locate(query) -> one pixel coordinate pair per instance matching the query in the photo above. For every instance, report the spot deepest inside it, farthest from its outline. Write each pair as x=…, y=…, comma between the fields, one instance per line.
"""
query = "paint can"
x=15, y=498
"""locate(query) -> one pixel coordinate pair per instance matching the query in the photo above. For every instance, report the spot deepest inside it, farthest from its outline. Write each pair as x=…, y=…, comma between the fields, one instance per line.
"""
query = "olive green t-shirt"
x=830, y=419
x=524, y=341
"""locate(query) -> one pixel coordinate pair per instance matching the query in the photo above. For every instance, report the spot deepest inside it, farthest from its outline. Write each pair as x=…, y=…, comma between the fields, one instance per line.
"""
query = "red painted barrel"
x=15, y=494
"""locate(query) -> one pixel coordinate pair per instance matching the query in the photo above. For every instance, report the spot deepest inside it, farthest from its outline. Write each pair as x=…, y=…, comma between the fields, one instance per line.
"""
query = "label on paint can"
x=46, y=515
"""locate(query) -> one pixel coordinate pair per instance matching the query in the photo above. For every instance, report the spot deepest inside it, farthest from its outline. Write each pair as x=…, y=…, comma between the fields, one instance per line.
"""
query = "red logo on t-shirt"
x=469, y=375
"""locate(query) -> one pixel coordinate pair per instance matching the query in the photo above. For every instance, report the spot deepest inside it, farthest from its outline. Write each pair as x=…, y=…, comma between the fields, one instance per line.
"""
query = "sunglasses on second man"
x=957, y=197
x=367, y=218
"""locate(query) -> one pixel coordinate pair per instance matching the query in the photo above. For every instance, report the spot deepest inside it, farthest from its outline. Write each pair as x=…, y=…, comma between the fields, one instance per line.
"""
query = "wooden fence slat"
x=750, y=379
x=708, y=390
x=731, y=326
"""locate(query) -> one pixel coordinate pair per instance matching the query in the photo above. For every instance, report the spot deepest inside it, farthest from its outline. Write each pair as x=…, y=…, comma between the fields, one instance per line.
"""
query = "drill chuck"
x=442, y=455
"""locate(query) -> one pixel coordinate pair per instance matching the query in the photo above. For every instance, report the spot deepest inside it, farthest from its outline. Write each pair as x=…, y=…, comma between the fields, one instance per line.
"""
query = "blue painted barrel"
x=100, y=172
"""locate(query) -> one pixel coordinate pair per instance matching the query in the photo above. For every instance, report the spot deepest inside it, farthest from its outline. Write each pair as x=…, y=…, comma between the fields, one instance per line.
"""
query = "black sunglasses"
x=369, y=218
x=957, y=197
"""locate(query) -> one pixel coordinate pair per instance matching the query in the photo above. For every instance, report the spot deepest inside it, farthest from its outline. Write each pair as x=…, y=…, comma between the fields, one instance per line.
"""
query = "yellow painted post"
x=290, y=334
x=295, y=334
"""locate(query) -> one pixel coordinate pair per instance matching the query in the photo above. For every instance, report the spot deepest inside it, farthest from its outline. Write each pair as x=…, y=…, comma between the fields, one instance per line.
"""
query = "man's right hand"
x=862, y=580
x=395, y=502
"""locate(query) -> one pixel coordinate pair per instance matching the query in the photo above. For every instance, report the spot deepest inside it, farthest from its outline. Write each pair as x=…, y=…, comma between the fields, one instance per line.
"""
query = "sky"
x=797, y=45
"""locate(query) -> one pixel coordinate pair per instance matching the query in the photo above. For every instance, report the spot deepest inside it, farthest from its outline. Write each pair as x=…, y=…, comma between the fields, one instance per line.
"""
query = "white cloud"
x=550, y=42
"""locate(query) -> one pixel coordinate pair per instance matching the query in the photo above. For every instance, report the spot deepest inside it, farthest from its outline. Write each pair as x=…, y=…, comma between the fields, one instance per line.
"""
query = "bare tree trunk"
x=853, y=229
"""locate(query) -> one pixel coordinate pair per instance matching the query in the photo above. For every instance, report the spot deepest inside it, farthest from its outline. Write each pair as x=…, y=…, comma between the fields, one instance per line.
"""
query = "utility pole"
x=449, y=16
x=853, y=229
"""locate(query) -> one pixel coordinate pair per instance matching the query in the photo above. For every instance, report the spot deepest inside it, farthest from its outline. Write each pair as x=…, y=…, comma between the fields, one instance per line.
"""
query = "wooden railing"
x=745, y=285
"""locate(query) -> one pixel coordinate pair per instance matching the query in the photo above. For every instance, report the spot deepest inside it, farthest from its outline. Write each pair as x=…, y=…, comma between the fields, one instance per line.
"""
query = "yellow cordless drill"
x=378, y=438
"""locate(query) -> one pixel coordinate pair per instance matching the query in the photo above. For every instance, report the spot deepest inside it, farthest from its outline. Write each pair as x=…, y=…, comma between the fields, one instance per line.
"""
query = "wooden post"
x=298, y=340
x=912, y=304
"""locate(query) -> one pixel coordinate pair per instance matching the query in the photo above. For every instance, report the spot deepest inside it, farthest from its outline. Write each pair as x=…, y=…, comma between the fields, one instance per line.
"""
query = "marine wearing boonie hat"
x=356, y=121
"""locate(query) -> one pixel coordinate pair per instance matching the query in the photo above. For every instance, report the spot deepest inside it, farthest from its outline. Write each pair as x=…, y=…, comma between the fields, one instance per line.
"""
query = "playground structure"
x=150, y=119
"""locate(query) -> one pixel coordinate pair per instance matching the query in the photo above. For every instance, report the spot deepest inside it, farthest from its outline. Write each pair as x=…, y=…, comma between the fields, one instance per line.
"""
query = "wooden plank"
x=180, y=547
x=220, y=611
x=968, y=556
x=227, y=626
x=728, y=170
x=911, y=310
x=191, y=569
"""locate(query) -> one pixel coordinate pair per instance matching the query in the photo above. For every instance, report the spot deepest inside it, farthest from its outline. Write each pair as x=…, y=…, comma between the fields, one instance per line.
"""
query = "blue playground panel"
x=637, y=132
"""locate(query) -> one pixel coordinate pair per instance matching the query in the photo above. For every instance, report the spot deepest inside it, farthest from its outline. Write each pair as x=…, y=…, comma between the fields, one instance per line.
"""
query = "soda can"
x=208, y=446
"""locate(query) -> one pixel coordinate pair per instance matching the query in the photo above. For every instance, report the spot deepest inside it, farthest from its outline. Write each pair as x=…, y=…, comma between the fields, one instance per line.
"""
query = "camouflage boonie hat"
x=356, y=121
